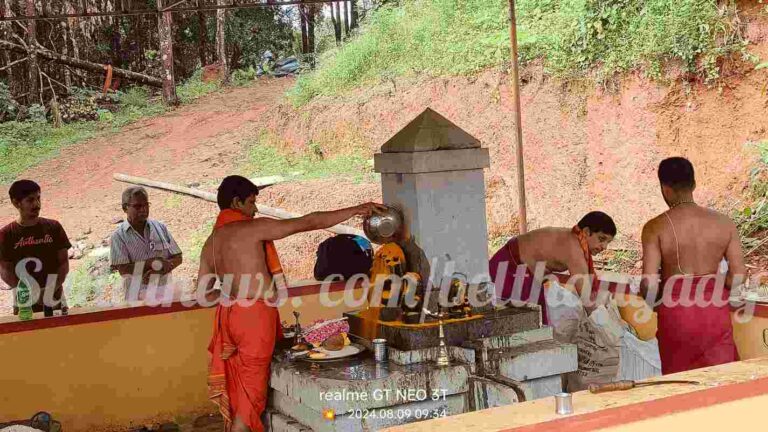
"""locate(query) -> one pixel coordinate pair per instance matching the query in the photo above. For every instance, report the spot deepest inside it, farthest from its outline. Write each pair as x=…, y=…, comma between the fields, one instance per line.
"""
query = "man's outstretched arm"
x=272, y=229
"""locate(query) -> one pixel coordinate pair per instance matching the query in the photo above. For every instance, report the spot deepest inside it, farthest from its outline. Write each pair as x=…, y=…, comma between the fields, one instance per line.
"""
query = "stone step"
x=491, y=394
x=282, y=423
x=534, y=360
x=541, y=387
x=368, y=419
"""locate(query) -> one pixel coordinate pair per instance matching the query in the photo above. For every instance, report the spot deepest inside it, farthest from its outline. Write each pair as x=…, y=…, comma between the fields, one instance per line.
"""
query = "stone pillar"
x=433, y=171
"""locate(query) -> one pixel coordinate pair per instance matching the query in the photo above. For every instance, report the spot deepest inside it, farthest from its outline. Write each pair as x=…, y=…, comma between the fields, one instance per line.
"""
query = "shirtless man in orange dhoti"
x=688, y=242
x=240, y=252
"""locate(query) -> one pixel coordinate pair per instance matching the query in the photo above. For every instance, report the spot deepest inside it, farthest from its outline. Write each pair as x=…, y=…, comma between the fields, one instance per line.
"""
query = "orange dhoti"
x=244, y=337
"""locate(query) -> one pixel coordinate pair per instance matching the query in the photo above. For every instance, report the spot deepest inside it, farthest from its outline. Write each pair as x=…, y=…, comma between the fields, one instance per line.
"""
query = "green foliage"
x=620, y=34
x=495, y=243
x=105, y=116
x=752, y=220
x=25, y=144
x=8, y=106
x=37, y=113
x=264, y=159
x=131, y=114
x=194, y=87
x=620, y=260
x=573, y=37
x=151, y=54
x=243, y=77
x=134, y=97
x=89, y=280
x=254, y=31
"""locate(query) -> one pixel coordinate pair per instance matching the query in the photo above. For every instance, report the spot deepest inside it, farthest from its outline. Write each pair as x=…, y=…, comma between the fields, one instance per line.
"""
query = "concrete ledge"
x=463, y=355
x=491, y=394
x=369, y=420
x=535, y=360
x=281, y=423
x=433, y=161
x=513, y=340
x=734, y=391
x=541, y=387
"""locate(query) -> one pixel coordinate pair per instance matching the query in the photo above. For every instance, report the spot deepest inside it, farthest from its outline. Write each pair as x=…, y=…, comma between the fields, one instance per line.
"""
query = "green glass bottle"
x=22, y=300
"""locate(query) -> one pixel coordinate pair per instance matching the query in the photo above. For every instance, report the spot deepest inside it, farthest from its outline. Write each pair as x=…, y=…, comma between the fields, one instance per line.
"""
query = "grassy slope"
x=25, y=144
x=573, y=37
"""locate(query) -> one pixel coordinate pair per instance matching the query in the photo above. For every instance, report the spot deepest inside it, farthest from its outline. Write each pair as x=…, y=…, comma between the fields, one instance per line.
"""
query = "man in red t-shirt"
x=44, y=242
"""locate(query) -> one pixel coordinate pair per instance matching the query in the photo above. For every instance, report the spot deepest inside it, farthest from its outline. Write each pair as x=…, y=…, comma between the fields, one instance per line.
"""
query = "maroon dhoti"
x=517, y=285
x=694, y=336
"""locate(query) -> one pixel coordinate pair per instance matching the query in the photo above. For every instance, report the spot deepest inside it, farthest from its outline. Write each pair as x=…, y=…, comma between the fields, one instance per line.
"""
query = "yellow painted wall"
x=108, y=374
x=118, y=374
x=738, y=415
x=749, y=337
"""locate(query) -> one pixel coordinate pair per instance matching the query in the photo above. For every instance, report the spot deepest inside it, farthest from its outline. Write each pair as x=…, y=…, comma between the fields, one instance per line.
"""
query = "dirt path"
x=196, y=143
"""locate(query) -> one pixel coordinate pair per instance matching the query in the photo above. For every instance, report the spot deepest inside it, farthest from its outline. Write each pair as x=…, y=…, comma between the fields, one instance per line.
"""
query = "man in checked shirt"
x=143, y=251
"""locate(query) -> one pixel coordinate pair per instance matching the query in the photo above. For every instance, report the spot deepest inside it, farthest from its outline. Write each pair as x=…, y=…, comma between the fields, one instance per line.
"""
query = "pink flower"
x=320, y=334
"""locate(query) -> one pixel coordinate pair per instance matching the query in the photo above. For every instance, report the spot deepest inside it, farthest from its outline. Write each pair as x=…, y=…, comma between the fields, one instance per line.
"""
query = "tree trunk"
x=165, y=26
x=355, y=16
x=234, y=59
x=33, y=83
x=336, y=23
x=7, y=29
x=65, y=50
x=303, y=24
x=221, y=45
x=202, y=36
x=73, y=37
x=116, y=45
x=86, y=65
x=311, y=28
x=346, y=19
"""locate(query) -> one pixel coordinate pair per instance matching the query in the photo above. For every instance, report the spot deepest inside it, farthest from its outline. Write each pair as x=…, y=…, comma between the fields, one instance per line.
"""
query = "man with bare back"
x=687, y=243
x=559, y=250
x=240, y=252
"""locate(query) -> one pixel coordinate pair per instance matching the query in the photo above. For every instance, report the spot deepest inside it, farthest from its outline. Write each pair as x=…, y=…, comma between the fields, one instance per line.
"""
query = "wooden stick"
x=515, y=77
x=272, y=212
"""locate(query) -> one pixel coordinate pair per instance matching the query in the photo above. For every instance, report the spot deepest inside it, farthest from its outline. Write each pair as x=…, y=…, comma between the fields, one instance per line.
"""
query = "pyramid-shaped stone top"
x=428, y=132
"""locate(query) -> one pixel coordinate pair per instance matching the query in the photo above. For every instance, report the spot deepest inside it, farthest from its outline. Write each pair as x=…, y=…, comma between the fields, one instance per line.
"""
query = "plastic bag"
x=598, y=341
x=564, y=311
x=607, y=349
x=639, y=360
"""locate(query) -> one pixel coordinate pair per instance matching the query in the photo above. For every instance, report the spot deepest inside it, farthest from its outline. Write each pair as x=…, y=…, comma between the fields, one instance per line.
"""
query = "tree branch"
x=57, y=82
x=10, y=65
x=82, y=64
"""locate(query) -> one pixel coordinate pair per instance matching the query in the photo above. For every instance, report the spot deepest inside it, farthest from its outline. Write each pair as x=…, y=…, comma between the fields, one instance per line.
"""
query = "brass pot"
x=385, y=227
